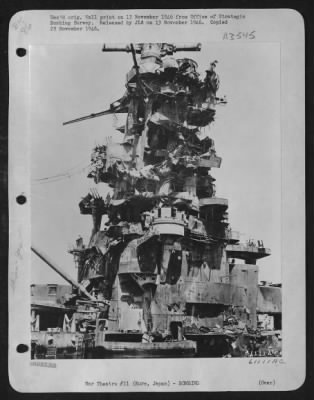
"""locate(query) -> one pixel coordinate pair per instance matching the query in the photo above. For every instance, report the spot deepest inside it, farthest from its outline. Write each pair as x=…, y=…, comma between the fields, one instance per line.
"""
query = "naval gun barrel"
x=59, y=271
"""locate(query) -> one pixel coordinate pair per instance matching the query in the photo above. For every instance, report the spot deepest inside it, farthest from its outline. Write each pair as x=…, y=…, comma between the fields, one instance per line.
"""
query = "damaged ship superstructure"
x=166, y=258
x=162, y=255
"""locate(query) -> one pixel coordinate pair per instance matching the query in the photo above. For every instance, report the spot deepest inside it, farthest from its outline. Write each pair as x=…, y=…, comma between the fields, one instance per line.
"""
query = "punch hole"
x=21, y=199
x=22, y=348
x=21, y=52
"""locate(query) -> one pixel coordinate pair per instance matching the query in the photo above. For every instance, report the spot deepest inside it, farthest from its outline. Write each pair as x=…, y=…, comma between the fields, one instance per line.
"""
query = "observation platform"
x=214, y=202
x=247, y=252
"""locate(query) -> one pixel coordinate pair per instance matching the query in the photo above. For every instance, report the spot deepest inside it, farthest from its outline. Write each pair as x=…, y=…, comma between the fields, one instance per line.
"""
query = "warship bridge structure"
x=162, y=255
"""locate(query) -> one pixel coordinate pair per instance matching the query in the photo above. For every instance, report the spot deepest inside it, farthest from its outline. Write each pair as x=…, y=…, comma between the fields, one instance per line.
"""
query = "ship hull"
x=176, y=349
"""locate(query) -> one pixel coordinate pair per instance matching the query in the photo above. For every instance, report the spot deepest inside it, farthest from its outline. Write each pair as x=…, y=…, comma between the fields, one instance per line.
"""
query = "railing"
x=233, y=235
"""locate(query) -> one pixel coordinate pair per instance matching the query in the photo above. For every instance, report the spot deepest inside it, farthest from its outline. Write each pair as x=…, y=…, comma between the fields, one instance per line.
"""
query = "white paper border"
x=284, y=26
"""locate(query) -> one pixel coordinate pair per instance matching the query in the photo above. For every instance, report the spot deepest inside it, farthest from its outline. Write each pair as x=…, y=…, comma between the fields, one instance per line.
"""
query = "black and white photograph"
x=156, y=193
x=157, y=269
